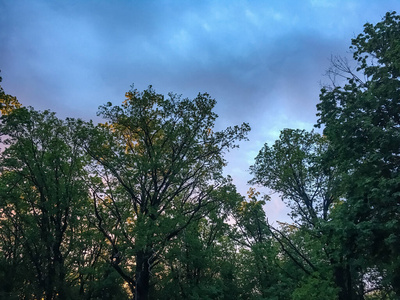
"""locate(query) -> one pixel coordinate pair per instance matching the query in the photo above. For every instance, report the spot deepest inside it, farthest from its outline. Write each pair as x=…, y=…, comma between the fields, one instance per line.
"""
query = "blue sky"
x=263, y=61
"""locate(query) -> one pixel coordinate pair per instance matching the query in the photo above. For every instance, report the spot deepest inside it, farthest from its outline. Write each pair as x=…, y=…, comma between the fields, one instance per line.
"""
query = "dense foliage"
x=138, y=208
x=362, y=123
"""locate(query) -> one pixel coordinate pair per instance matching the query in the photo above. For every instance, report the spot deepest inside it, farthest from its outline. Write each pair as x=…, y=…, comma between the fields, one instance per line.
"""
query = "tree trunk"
x=341, y=281
x=344, y=280
x=142, y=275
x=59, y=274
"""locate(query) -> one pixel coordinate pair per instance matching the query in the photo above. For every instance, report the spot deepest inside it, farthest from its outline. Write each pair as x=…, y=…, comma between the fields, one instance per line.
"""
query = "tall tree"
x=294, y=167
x=159, y=161
x=40, y=192
x=361, y=119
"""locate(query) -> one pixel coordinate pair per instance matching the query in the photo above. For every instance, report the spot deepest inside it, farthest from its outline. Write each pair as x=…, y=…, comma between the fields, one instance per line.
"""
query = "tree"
x=201, y=262
x=42, y=194
x=294, y=167
x=361, y=120
x=258, y=275
x=158, y=162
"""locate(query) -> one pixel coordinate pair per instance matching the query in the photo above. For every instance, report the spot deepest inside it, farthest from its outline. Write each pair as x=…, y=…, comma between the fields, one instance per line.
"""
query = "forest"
x=137, y=207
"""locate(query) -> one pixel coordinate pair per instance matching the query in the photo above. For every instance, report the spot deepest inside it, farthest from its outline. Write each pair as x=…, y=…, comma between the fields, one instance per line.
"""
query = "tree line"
x=138, y=208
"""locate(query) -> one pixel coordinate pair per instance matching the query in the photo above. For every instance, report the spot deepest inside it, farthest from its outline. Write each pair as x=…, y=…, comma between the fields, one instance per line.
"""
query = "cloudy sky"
x=263, y=61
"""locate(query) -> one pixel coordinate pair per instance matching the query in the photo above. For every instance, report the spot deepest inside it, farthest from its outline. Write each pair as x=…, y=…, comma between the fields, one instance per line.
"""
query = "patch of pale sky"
x=276, y=209
x=324, y=3
x=180, y=42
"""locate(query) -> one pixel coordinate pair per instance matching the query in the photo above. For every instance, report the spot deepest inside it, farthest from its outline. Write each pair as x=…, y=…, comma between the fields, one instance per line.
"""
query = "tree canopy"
x=361, y=119
x=159, y=162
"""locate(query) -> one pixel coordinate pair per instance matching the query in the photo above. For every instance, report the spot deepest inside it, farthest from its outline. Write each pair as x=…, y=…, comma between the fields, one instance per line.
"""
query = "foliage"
x=40, y=188
x=315, y=287
x=293, y=167
x=7, y=102
x=361, y=120
x=160, y=164
x=44, y=227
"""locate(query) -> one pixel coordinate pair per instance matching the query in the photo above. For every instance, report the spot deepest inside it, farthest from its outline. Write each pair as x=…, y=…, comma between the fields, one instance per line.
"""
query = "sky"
x=263, y=61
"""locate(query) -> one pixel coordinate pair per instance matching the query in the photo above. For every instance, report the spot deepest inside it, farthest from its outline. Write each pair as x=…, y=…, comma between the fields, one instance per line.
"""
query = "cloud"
x=261, y=60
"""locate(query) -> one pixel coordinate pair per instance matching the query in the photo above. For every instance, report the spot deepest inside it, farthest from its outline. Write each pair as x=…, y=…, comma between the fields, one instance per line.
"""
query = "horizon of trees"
x=138, y=208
